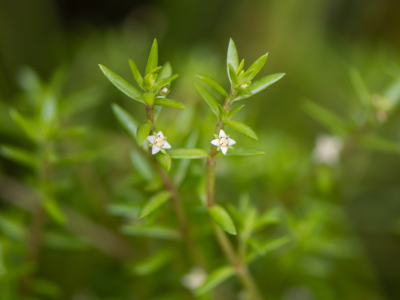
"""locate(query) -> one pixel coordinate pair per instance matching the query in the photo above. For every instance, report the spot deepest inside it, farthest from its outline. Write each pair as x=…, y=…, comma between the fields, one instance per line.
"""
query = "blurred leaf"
x=259, y=85
x=12, y=229
x=165, y=72
x=214, y=279
x=26, y=125
x=234, y=111
x=169, y=103
x=360, y=88
x=155, y=202
x=73, y=159
x=124, y=209
x=163, y=82
x=152, y=231
x=48, y=111
x=81, y=100
x=264, y=248
x=19, y=156
x=233, y=76
x=54, y=211
x=183, y=165
x=257, y=66
x=208, y=98
x=377, y=143
x=243, y=128
x=214, y=84
x=326, y=118
x=393, y=93
x=153, y=263
x=122, y=84
x=57, y=240
x=141, y=165
x=244, y=152
x=46, y=288
x=31, y=84
x=143, y=132
x=232, y=56
x=152, y=62
x=164, y=160
x=126, y=121
x=271, y=216
x=237, y=216
x=136, y=74
x=188, y=153
x=222, y=218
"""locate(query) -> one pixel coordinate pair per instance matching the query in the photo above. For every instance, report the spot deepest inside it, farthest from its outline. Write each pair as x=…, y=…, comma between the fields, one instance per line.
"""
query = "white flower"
x=223, y=142
x=158, y=142
x=327, y=149
x=194, y=278
x=244, y=85
x=163, y=91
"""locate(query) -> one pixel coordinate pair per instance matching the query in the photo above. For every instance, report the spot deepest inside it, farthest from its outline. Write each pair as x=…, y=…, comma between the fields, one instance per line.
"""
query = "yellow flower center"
x=159, y=142
x=223, y=142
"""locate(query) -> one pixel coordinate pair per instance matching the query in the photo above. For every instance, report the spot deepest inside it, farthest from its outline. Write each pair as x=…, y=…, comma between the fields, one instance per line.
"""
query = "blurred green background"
x=345, y=216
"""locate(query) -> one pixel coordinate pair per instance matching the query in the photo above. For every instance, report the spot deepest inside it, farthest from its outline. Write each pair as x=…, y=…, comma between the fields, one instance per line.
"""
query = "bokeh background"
x=346, y=216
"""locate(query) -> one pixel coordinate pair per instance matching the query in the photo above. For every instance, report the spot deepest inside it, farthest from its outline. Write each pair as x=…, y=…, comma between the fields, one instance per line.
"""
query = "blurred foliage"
x=328, y=222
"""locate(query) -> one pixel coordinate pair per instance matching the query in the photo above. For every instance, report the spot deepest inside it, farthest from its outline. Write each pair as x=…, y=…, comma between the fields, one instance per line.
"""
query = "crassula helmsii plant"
x=155, y=85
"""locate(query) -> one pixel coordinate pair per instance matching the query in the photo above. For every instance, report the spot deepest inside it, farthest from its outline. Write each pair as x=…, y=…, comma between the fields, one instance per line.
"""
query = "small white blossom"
x=194, y=278
x=223, y=142
x=158, y=143
x=244, y=85
x=327, y=149
x=163, y=91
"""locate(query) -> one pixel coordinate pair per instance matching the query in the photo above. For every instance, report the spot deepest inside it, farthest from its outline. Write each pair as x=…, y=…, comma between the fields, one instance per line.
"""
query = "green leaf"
x=141, y=165
x=271, y=216
x=127, y=122
x=148, y=98
x=360, y=88
x=54, y=211
x=257, y=66
x=152, y=62
x=222, y=218
x=154, y=203
x=183, y=165
x=143, y=132
x=237, y=216
x=240, y=68
x=48, y=111
x=122, y=84
x=326, y=118
x=208, y=98
x=136, y=74
x=164, y=82
x=243, y=128
x=233, y=76
x=259, y=85
x=377, y=143
x=153, y=263
x=244, y=152
x=232, y=56
x=214, y=84
x=234, y=111
x=214, y=279
x=152, y=231
x=164, y=160
x=268, y=246
x=169, y=103
x=19, y=156
x=26, y=125
x=165, y=72
x=188, y=153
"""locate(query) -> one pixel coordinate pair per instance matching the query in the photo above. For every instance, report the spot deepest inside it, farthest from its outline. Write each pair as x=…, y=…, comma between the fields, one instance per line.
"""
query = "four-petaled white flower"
x=194, y=278
x=327, y=149
x=158, y=142
x=223, y=142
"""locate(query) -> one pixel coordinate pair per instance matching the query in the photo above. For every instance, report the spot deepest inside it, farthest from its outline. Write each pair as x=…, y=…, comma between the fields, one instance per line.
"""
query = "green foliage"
x=169, y=103
x=242, y=128
x=188, y=153
x=154, y=203
x=164, y=160
x=259, y=85
x=222, y=218
x=127, y=122
x=213, y=84
x=143, y=132
x=214, y=279
x=208, y=98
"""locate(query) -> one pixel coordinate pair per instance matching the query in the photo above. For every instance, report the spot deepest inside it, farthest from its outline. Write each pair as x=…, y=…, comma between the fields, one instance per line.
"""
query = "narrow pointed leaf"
x=244, y=152
x=360, y=88
x=233, y=76
x=257, y=66
x=19, y=156
x=122, y=84
x=215, y=279
x=164, y=160
x=241, y=127
x=143, y=132
x=232, y=56
x=154, y=203
x=169, y=103
x=259, y=85
x=234, y=111
x=208, y=98
x=326, y=118
x=264, y=248
x=188, y=153
x=160, y=232
x=183, y=165
x=165, y=72
x=164, y=82
x=153, y=263
x=26, y=125
x=54, y=211
x=136, y=74
x=222, y=218
x=141, y=165
x=378, y=143
x=240, y=68
x=152, y=62
x=214, y=84
x=127, y=122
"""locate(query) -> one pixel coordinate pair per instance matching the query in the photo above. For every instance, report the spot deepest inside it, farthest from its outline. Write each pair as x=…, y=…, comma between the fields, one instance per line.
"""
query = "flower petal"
x=155, y=150
x=215, y=142
x=151, y=138
x=166, y=145
x=231, y=142
x=160, y=134
x=224, y=150
x=222, y=134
